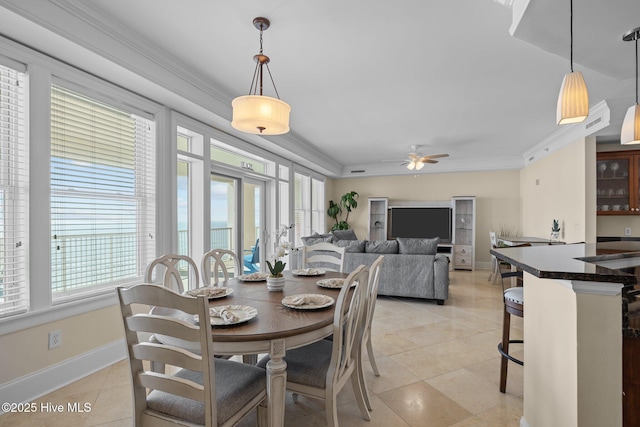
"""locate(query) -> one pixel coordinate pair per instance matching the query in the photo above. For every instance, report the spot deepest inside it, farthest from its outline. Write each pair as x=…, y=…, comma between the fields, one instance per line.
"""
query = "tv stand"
x=446, y=249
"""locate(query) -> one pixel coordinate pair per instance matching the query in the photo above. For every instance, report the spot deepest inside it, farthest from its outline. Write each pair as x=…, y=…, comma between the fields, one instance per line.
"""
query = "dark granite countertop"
x=610, y=261
x=581, y=261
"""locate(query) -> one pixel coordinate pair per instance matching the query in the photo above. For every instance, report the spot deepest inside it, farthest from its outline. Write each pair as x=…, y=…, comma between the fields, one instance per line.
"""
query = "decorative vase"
x=275, y=283
x=555, y=236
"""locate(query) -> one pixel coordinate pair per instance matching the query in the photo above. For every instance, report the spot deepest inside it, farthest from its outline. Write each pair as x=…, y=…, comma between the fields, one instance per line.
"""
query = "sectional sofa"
x=411, y=267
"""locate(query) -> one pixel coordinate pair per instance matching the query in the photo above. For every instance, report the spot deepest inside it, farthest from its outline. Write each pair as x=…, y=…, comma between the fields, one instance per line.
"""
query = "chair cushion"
x=352, y=246
x=514, y=295
x=344, y=235
x=418, y=246
x=382, y=247
x=236, y=385
x=307, y=365
x=317, y=238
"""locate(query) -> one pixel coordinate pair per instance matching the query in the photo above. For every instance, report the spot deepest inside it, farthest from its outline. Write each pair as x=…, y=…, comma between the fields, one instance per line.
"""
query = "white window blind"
x=102, y=194
x=302, y=206
x=317, y=205
x=14, y=292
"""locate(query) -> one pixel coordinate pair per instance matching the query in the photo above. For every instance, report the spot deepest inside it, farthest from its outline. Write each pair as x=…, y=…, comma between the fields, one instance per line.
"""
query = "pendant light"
x=630, y=133
x=573, y=101
x=256, y=113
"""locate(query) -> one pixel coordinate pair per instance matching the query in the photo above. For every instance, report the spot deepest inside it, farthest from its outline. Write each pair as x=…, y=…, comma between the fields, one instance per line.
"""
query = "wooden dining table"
x=275, y=329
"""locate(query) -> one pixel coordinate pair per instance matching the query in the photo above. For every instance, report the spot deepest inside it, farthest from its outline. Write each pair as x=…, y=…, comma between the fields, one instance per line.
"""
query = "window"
x=308, y=206
x=14, y=295
x=102, y=194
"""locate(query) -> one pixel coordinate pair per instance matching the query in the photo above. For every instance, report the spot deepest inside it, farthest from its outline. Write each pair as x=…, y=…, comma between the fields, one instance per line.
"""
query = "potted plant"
x=555, y=230
x=348, y=202
x=275, y=280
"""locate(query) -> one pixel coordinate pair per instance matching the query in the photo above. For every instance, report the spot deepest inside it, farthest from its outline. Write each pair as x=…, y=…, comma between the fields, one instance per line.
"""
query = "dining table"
x=275, y=328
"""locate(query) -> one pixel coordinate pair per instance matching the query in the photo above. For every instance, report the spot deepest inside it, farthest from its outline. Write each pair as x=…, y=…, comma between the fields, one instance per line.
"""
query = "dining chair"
x=177, y=268
x=370, y=307
x=321, y=369
x=324, y=255
x=201, y=390
x=215, y=262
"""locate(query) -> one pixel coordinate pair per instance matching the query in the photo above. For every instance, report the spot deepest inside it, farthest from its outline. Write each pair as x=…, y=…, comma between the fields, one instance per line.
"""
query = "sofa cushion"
x=381, y=247
x=351, y=246
x=344, y=235
x=418, y=246
x=317, y=238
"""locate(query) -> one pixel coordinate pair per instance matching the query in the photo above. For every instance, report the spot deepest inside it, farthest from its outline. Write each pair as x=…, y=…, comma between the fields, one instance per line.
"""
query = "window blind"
x=317, y=205
x=302, y=206
x=14, y=292
x=102, y=194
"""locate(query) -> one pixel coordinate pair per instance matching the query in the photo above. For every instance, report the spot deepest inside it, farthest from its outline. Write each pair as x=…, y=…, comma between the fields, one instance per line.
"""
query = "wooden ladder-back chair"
x=201, y=390
x=323, y=255
x=321, y=369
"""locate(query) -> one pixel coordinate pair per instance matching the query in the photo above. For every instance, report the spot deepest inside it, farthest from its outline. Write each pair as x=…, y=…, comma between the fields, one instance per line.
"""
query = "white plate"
x=330, y=283
x=253, y=277
x=206, y=292
x=309, y=272
x=328, y=301
x=243, y=312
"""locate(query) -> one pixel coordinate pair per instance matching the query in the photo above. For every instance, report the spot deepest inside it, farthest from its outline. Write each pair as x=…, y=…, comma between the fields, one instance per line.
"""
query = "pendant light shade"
x=260, y=114
x=573, y=101
x=630, y=133
x=256, y=113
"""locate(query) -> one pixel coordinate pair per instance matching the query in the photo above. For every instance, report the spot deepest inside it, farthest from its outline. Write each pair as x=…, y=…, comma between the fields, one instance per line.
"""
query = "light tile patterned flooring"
x=439, y=366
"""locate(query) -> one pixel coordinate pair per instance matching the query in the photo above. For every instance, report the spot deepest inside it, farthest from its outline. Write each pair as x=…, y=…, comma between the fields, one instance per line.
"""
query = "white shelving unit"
x=378, y=216
x=464, y=232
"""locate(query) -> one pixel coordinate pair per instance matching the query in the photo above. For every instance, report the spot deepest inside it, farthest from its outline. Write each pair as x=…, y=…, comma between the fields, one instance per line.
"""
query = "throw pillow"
x=317, y=238
x=344, y=235
x=352, y=246
x=382, y=247
x=418, y=246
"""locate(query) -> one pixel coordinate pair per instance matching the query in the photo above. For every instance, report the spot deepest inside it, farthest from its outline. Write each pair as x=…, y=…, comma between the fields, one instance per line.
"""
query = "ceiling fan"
x=416, y=161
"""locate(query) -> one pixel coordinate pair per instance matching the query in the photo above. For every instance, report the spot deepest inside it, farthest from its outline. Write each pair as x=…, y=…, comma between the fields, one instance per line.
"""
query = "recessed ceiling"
x=367, y=79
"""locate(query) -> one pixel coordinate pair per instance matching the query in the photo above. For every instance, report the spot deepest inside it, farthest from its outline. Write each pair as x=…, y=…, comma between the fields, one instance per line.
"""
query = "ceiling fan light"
x=411, y=166
x=573, y=100
x=419, y=165
x=630, y=133
x=259, y=114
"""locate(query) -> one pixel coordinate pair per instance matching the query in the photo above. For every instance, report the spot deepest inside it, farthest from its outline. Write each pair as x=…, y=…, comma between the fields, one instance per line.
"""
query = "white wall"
x=561, y=186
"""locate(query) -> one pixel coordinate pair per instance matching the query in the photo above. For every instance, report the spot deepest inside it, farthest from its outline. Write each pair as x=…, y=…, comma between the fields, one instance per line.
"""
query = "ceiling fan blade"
x=434, y=156
x=429, y=161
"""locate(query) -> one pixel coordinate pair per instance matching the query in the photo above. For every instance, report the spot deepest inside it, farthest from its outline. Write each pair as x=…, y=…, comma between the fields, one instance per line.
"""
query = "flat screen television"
x=421, y=222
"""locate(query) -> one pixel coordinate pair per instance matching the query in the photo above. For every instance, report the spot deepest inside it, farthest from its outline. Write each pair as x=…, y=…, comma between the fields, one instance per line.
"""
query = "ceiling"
x=366, y=79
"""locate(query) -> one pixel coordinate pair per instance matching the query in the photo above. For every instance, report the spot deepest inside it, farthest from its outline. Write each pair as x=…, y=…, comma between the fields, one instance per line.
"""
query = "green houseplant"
x=349, y=202
x=555, y=230
x=276, y=268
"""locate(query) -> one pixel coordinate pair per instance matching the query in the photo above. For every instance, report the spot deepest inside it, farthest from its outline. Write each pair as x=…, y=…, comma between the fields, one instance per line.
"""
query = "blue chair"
x=251, y=260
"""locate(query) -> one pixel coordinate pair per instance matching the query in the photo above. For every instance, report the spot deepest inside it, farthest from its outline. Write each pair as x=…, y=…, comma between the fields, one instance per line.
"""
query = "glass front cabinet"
x=617, y=186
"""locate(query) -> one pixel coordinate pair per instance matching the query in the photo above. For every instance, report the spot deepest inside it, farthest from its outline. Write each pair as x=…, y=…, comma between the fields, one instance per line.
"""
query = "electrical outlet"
x=627, y=231
x=55, y=339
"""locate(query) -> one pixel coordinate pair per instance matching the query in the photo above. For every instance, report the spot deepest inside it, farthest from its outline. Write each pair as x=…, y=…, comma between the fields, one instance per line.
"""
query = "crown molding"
x=599, y=118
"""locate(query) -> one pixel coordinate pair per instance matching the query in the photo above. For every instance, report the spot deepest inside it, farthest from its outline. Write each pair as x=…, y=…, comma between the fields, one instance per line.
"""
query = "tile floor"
x=439, y=366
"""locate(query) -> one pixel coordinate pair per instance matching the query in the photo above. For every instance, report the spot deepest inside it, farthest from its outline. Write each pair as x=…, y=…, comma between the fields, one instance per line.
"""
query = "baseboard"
x=42, y=382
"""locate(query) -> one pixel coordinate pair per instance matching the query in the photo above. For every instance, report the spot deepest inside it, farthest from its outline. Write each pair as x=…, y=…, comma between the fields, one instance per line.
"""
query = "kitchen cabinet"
x=618, y=175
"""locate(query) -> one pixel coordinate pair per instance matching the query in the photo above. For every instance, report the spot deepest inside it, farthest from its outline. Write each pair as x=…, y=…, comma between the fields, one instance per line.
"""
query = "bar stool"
x=513, y=304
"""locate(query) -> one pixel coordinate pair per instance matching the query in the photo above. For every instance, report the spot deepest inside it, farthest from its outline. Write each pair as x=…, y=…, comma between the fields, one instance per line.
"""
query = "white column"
x=572, y=353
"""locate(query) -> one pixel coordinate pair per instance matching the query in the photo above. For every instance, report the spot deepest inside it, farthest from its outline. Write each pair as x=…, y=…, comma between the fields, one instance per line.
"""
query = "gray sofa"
x=411, y=267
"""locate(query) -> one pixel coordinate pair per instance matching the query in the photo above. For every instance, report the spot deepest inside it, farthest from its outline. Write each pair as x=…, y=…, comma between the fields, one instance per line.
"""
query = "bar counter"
x=612, y=261
x=573, y=293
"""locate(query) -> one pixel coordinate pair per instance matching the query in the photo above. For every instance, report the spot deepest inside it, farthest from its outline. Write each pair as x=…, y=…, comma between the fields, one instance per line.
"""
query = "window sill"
x=56, y=312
